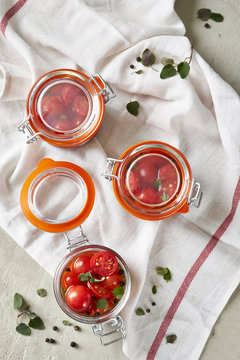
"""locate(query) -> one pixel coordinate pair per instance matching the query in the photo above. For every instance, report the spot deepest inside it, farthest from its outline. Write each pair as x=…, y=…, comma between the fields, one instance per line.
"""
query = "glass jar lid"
x=152, y=180
x=57, y=196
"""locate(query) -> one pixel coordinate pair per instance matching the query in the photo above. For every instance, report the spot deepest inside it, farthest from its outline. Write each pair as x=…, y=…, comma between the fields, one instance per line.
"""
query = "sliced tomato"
x=69, y=279
x=104, y=263
x=99, y=289
x=81, y=105
x=133, y=182
x=113, y=280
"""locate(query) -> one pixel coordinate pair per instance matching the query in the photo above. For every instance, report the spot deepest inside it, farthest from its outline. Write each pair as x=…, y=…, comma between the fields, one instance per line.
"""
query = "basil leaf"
x=139, y=312
x=36, y=323
x=118, y=292
x=183, y=69
x=42, y=292
x=84, y=277
x=23, y=329
x=102, y=304
x=168, y=71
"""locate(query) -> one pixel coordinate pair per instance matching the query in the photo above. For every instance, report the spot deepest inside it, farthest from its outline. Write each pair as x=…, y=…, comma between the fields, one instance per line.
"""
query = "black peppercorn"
x=121, y=272
x=122, y=283
x=47, y=339
x=138, y=59
x=115, y=301
x=148, y=310
x=153, y=303
x=52, y=341
x=67, y=269
x=76, y=328
x=73, y=344
x=132, y=66
x=88, y=313
x=94, y=298
x=55, y=328
x=207, y=26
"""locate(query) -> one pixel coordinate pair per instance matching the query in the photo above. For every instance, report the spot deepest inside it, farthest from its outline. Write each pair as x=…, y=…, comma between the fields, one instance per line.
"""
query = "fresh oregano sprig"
x=88, y=277
x=206, y=14
x=171, y=68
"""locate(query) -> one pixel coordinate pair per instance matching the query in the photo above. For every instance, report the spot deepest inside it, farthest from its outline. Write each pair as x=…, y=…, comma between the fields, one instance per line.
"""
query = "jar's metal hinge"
x=106, y=91
x=108, y=175
x=116, y=332
x=195, y=194
x=26, y=128
x=75, y=238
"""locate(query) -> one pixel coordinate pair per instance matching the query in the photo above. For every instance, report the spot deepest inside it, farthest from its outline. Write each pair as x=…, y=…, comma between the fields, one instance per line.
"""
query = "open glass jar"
x=153, y=181
x=92, y=283
x=65, y=107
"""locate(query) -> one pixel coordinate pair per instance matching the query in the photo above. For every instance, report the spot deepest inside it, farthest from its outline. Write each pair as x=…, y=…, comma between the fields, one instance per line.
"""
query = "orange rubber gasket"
x=43, y=165
x=182, y=207
x=82, y=138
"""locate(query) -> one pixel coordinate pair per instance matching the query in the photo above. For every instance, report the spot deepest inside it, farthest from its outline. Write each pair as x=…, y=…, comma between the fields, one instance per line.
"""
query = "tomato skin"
x=69, y=279
x=76, y=121
x=93, y=309
x=104, y=263
x=99, y=289
x=69, y=92
x=52, y=107
x=148, y=195
x=62, y=124
x=78, y=298
x=148, y=174
x=133, y=182
x=81, y=264
x=81, y=105
x=114, y=280
x=167, y=172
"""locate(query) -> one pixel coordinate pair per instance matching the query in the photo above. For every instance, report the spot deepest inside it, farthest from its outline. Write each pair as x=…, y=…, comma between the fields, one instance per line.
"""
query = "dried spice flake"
x=140, y=312
x=170, y=339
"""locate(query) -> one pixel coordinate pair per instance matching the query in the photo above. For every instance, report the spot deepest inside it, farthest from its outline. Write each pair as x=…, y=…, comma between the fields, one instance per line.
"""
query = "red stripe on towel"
x=10, y=13
x=192, y=273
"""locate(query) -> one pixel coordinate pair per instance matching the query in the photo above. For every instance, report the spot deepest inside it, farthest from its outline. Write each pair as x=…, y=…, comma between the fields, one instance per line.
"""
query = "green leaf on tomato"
x=118, y=292
x=164, y=197
x=84, y=276
x=157, y=183
x=102, y=304
x=36, y=323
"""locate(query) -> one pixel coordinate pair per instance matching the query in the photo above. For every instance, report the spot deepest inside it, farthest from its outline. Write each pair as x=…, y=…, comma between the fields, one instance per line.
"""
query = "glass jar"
x=57, y=197
x=153, y=181
x=65, y=107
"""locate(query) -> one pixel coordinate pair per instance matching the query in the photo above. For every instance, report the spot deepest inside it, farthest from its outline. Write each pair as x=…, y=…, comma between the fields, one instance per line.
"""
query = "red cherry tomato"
x=148, y=196
x=69, y=92
x=148, y=174
x=76, y=121
x=114, y=280
x=69, y=279
x=169, y=186
x=52, y=107
x=81, y=264
x=151, y=159
x=81, y=105
x=104, y=263
x=62, y=124
x=168, y=171
x=78, y=298
x=133, y=182
x=57, y=89
x=99, y=289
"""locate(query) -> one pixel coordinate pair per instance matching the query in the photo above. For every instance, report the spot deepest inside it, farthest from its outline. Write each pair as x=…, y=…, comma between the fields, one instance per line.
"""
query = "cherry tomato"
x=148, y=174
x=114, y=280
x=93, y=309
x=168, y=171
x=99, y=289
x=104, y=263
x=148, y=195
x=81, y=105
x=78, y=298
x=133, y=182
x=69, y=92
x=69, y=279
x=57, y=89
x=81, y=264
x=62, y=124
x=76, y=121
x=52, y=107
x=169, y=186
x=151, y=159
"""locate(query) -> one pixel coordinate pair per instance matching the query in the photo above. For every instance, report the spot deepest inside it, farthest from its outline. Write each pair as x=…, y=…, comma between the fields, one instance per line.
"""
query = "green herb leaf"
x=154, y=289
x=23, y=329
x=168, y=275
x=67, y=323
x=42, y=292
x=148, y=57
x=139, y=312
x=168, y=71
x=139, y=72
x=216, y=17
x=84, y=276
x=132, y=107
x=17, y=301
x=204, y=14
x=161, y=270
x=164, y=197
x=183, y=69
x=118, y=292
x=170, y=339
x=157, y=183
x=102, y=304
x=36, y=323
x=165, y=61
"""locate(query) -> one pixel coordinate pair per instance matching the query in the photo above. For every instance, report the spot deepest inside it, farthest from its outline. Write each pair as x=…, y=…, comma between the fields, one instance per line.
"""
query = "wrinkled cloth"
x=199, y=115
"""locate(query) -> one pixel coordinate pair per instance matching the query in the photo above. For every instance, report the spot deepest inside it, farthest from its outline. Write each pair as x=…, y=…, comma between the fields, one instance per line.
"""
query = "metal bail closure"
x=114, y=331
x=106, y=90
x=195, y=194
x=108, y=175
x=26, y=128
x=75, y=238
